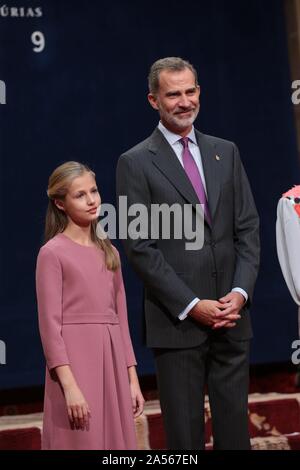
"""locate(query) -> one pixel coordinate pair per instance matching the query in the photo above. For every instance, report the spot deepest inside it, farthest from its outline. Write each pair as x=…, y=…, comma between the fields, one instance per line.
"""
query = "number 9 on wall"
x=38, y=40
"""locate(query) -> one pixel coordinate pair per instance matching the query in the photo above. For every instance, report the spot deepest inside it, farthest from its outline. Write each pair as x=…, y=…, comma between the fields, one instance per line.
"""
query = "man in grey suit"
x=196, y=301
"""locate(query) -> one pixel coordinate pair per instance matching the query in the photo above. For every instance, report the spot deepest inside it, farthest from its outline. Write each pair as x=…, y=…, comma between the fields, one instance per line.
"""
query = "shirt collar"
x=173, y=138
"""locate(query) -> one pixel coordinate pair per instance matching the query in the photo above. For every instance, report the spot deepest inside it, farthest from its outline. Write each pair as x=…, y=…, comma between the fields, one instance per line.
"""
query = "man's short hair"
x=175, y=64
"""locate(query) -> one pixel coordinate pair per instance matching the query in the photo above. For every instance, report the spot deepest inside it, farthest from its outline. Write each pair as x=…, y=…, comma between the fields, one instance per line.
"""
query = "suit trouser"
x=182, y=373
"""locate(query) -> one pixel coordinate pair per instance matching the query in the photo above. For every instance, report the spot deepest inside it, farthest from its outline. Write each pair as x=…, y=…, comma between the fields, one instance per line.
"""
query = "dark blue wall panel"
x=84, y=98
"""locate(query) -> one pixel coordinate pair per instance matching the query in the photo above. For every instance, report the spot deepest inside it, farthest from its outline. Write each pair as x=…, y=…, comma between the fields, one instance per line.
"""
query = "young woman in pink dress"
x=92, y=393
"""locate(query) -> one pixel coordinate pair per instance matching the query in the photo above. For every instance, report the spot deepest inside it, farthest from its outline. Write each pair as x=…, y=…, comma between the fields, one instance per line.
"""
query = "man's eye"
x=95, y=190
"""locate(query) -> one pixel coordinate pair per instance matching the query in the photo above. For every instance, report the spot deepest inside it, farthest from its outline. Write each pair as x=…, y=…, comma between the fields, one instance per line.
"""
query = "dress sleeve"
x=123, y=318
x=49, y=299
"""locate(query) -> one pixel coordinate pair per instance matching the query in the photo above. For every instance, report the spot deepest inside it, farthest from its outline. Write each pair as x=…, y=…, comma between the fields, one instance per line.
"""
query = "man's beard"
x=179, y=123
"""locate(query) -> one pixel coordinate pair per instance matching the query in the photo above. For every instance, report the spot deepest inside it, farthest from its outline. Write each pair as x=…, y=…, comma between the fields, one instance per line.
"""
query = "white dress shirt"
x=174, y=141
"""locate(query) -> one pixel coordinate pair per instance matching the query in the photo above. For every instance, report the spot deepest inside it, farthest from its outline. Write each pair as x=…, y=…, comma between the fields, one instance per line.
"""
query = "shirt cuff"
x=241, y=291
x=184, y=314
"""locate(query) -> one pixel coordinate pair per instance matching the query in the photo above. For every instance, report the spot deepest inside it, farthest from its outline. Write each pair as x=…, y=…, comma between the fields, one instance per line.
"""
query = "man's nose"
x=184, y=101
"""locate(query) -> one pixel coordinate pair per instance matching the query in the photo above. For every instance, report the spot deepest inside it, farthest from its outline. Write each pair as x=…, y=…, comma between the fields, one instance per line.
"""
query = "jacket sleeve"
x=145, y=257
x=123, y=318
x=49, y=299
x=246, y=231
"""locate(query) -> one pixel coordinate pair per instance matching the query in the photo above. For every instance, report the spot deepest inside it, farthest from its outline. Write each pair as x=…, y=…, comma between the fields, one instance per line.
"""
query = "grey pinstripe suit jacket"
x=151, y=173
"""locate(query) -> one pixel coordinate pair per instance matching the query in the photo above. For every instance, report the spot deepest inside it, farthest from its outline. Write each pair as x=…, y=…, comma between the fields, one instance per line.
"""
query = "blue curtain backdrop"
x=83, y=97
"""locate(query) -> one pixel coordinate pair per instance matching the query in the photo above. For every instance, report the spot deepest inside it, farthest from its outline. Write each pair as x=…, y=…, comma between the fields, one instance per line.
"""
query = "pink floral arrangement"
x=294, y=195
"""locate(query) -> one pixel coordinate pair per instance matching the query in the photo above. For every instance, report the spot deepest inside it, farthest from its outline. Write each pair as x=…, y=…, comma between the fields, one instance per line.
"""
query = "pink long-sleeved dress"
x=83, y=323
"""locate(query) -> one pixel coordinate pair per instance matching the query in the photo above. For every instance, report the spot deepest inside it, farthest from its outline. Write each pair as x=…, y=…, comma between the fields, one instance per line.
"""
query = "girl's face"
x=82, y=201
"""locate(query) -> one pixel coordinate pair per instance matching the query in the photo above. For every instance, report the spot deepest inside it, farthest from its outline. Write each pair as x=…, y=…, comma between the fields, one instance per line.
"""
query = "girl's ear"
x=59, y=204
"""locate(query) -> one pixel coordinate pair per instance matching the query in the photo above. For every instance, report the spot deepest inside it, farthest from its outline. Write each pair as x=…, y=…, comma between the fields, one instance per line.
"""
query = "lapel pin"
x=217, y=157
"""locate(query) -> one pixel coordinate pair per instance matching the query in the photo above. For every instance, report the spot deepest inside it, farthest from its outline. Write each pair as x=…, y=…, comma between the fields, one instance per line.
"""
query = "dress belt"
x=76, y=318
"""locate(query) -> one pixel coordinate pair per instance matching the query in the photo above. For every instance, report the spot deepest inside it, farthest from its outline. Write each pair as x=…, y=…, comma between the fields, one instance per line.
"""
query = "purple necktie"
x=192, y=171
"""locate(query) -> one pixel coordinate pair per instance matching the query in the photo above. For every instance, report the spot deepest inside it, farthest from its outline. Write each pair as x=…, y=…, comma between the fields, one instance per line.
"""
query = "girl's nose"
x=91, y=199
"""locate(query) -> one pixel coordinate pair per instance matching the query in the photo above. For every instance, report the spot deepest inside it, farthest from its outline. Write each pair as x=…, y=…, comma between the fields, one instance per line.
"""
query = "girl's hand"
x=137, y=399
x=78, y=409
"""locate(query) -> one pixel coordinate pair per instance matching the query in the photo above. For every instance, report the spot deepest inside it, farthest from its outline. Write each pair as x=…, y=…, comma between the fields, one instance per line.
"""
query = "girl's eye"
x=79, y=195
x=95, y=190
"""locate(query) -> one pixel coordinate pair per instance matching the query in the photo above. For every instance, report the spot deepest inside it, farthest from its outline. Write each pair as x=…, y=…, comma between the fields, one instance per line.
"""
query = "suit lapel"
x=165, y=159
x=212, y=171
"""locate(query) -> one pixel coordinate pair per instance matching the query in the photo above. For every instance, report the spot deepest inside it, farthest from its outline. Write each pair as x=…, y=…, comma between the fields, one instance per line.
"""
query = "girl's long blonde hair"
x=56, y=219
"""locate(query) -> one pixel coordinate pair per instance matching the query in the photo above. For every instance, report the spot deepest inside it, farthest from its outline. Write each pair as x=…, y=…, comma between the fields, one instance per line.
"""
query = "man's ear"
x=59, y=204
x=153, y=101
